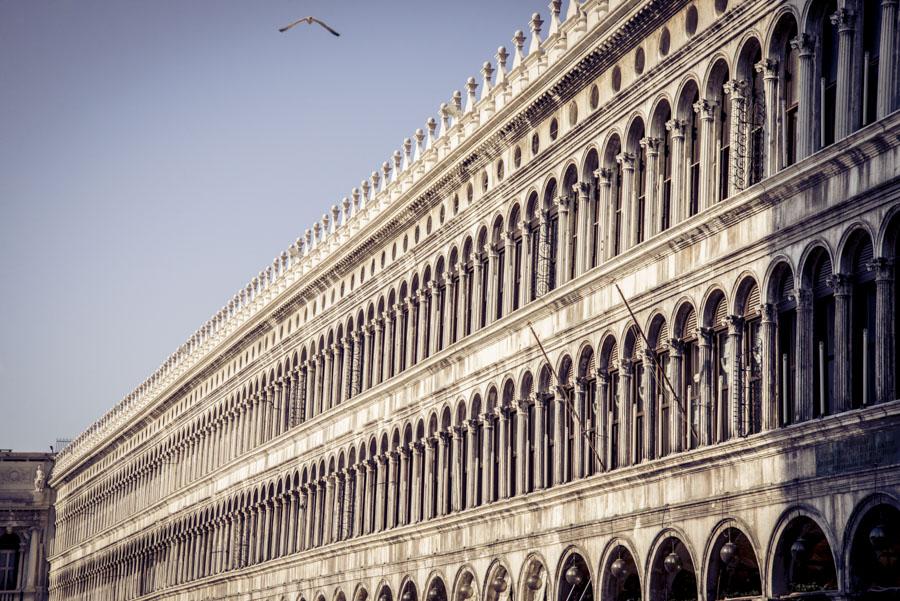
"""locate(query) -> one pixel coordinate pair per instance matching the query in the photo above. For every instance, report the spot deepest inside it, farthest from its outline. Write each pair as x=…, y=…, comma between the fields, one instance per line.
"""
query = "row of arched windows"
x=275, y=522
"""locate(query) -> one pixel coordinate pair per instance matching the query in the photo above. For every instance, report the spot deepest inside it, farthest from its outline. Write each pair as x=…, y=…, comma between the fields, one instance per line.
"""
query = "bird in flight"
x=309, y=21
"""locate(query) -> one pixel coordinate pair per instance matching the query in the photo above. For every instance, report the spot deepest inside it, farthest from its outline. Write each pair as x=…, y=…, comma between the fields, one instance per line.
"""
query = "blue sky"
x=155, y=155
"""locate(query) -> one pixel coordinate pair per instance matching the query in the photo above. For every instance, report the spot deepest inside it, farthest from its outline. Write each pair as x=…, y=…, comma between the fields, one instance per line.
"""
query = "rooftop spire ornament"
x=310, y=21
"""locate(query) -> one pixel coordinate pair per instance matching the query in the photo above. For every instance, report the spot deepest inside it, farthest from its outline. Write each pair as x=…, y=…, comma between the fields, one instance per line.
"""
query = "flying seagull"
x=310, y=21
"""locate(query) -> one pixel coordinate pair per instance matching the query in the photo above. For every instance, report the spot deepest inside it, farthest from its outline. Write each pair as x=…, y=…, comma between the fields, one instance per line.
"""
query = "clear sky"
x=156, y=154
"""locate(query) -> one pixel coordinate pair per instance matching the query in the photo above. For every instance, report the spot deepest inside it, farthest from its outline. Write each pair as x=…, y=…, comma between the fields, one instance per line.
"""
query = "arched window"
x=750, y=154
x=720, y=408
x=637, y=204
x=721, y=131
x=476, y=439
x=498, y=264
x=660, y=403
x=569, y=238
x=548, y=258
x=661, y=178
x=533, y=243
x=689, y=417
x=611, y=197
x=483, y=285
x=439, y=306
x=693, y=144
x=548, y=427
x=750, y=357
x=586, y=404
x=817, y=280
x=517, y=234
x=871, y=44
x=468, y=277
x=827, y=70
x=564, y=427
x=862, y=343
x=784, y=63
x=609, y=394
x=783, y=297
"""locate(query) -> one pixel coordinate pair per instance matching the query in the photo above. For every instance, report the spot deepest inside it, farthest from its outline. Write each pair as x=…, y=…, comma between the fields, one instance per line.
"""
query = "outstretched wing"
x=325, y=25
x=297, y=22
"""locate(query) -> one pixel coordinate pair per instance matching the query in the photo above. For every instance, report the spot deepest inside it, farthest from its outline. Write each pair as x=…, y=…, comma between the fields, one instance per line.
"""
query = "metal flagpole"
x=656, y=361
x=569, y=405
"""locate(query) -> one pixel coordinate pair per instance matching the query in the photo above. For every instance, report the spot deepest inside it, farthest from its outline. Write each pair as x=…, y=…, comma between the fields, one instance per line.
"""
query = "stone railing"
x=381, y=190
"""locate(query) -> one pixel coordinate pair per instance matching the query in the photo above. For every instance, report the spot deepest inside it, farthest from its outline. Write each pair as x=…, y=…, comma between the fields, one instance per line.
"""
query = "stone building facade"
x=440, y=392
x=26, y=525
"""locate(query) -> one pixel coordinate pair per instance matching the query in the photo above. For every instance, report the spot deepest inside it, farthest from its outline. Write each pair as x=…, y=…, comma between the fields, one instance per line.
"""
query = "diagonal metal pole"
x=569, y=404
x=675, y=396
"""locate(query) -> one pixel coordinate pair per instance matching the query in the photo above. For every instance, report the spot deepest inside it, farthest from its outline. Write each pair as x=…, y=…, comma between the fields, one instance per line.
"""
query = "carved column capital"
x=675, y=127
x=651, y=145
x=768, y=67
x=626, y=160
x=804, y=44
x=705, y=108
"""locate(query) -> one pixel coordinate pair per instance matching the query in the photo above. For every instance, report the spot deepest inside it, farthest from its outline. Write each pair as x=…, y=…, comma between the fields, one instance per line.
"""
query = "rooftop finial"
x=309, y=240
x=471, y=99
x=519, y=41
x=397, y=161
x=407, y=153
x=334, y=218
x=420, y=136
x=354, y=194
x=457, y=101
x=573, y=10
x=386, y=170
x=325, y=230
x=487, y=74
x=432, y=125
x=536, y=23
x=555, y=6
x=445, y=119
x=345, y=203
x=365, y=193
x=502, y=55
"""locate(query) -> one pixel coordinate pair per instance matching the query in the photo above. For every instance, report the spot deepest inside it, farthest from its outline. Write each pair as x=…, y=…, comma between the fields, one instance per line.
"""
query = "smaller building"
x=26, y=525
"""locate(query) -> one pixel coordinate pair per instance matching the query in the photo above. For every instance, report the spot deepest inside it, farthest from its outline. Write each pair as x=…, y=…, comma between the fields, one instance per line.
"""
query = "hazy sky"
x=155, y=155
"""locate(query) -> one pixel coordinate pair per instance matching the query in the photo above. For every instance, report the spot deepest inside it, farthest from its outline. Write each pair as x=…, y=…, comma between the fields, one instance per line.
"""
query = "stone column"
x=525, y=288
x=411, y=334
x=653, y=211
x=559, y=436
x=321, y=379
x=842, y=288
x=602, y=409
x=539, y=440
x=807, y=112
x=328, y=382
x=563, y=241
x=585, y=210
x=494, y=271
x=377, y=355
x=846, y=114
x=677, y=196
x=707, y=376
x=487, y=457
x=648, y=433
x=735, y=421
x=626, y=409
x=887, y=65
x=309, y=394
x=403, y=517
x=543, y=270
x=521, y=440
x=465, y=289
x=359, y=505
x=803, y=401
x=417, y=483
x=477, y=292
x=430, y=478
x=378, y=495
x=737, y=90
x=365, y=383
x=422, y=327
x=504, y=450
x=884, y=327
x=344, y=381
x=450, y=309
x=580, y=394
x=604, y=183
x=387, y=360
x=435, y=341
x=626, y=160
x=336, y=361
x=471, y=469
x=509, y=254
x=769, y=69
x=769, y=400
x=369, y=500
x=356, y=364
x=707, y=112
x=349, y=509
x=442, y=474
x=328, y=525
x=458, y=459
x=392, y=496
